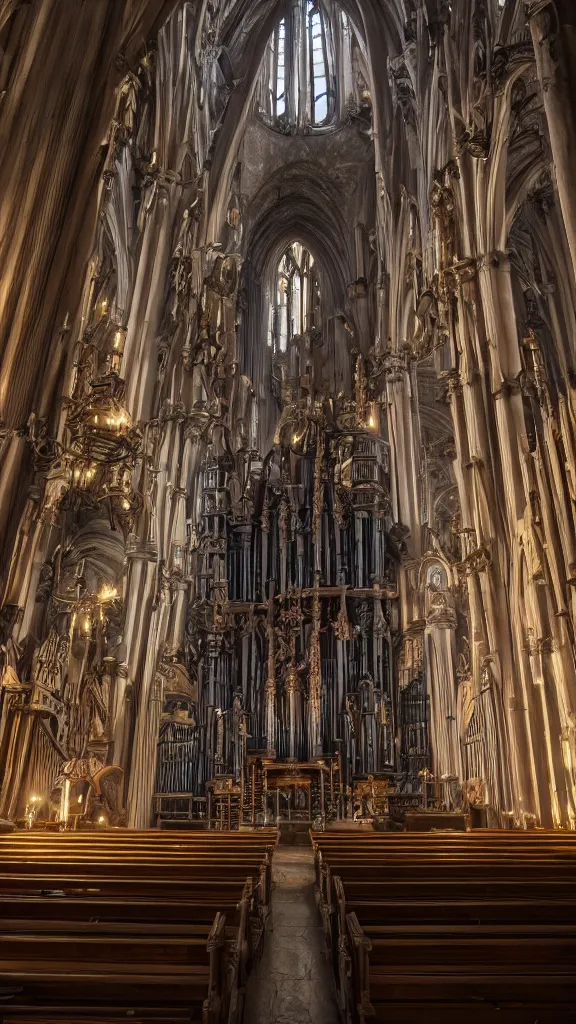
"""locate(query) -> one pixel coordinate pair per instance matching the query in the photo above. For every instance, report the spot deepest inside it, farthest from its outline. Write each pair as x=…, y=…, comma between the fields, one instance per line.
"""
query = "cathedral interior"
x=288, y=464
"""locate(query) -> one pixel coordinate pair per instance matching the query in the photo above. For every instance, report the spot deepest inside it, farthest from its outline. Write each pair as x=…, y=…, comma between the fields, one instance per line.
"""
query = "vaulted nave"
x=287, y=511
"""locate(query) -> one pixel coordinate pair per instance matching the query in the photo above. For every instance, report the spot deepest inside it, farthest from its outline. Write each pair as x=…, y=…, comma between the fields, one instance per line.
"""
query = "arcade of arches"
x=287, y=411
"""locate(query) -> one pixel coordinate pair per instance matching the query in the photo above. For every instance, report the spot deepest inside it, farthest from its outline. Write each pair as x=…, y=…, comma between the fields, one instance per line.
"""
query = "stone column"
x=141, y=786
x=553, y=27
x=404, y=460
x=440, y=653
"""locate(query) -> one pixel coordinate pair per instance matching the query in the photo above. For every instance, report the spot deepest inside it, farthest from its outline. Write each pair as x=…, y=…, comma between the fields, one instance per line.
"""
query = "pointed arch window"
x=307, y=68
x=319, y=65
x=295, y=304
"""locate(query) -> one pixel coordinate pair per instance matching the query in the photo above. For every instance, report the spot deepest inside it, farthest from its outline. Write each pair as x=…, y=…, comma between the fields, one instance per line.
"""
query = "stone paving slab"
x=293, y=983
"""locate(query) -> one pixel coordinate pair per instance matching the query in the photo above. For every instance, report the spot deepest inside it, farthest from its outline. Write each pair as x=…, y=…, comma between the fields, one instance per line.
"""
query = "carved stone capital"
x=449, y=385
x=394, y=368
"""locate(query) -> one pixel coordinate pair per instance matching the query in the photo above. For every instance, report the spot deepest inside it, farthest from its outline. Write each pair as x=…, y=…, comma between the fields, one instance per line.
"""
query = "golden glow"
x=108, y=593
x=65, y=802
x=88, y=472
x=119, y=421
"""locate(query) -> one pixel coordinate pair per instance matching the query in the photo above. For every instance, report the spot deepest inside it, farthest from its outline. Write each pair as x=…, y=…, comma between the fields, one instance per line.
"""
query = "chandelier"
x=100, y=426
x=102, y=449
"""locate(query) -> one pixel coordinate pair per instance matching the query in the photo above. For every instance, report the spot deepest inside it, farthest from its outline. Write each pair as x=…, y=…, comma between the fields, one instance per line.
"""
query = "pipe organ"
x=289, y=626
x=287, y=412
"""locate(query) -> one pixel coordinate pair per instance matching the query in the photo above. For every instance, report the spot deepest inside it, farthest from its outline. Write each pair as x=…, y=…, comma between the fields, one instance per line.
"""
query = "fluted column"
x=404, y=463
x=553, y=27
x=141, y=787
x=442, y=687
x=55, y=111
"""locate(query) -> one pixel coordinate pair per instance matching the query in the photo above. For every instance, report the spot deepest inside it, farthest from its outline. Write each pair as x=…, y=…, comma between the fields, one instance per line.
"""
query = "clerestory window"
x=307, y=71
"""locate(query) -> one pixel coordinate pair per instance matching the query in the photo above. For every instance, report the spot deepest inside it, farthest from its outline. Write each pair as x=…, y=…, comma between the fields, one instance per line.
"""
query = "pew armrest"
x=340, y=896
x=217, y=933
x=358, y=937
x=243, y=943
x=360, y=948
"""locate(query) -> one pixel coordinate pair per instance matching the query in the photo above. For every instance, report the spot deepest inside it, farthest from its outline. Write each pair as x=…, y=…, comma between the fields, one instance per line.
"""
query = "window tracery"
x=307, y=77
x=294, y=308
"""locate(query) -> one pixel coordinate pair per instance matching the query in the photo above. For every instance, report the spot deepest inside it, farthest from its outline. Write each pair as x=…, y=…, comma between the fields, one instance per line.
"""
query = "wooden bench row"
x=140, y=859
x=142, y=926
x=451, y=928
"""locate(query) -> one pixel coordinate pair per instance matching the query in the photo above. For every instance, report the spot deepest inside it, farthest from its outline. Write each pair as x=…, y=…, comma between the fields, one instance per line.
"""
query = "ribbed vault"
x=332, y=503
x=299, y=203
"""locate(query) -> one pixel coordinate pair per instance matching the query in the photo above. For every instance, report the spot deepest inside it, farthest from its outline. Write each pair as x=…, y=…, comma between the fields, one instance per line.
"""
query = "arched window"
x=295, y=305
x=319, y=66
x=307, y=73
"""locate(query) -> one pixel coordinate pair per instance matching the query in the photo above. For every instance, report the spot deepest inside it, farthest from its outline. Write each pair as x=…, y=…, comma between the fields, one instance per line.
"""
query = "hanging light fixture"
x=100, y=426
x=103, y=446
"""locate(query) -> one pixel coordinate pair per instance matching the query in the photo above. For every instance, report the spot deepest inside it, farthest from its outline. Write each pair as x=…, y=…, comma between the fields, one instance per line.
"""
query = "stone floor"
x=293, y=982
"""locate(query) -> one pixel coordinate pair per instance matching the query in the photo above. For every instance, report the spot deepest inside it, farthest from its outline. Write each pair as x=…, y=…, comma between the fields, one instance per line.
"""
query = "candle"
x=65, y=801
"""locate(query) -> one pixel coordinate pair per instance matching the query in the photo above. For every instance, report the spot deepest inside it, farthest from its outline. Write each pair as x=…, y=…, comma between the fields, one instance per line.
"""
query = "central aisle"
x=293, y=982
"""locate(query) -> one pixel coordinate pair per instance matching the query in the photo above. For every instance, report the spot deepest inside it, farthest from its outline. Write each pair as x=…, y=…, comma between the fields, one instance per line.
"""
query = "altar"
x=313, y=791
x=298, y=790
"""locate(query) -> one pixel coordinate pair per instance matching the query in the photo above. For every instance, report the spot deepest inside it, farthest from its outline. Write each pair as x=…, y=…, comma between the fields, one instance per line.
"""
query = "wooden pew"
x=451, y=928
x=111, y=970
x=249, y=855
x=508, y=967
x=48, y=916
x=66, y=862
x=412, y=880
x=340, y=847
x=127, y=907
x=451, y=853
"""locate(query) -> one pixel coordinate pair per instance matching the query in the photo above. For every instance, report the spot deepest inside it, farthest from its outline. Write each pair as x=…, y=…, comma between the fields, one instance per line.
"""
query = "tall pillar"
x=553, y=27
